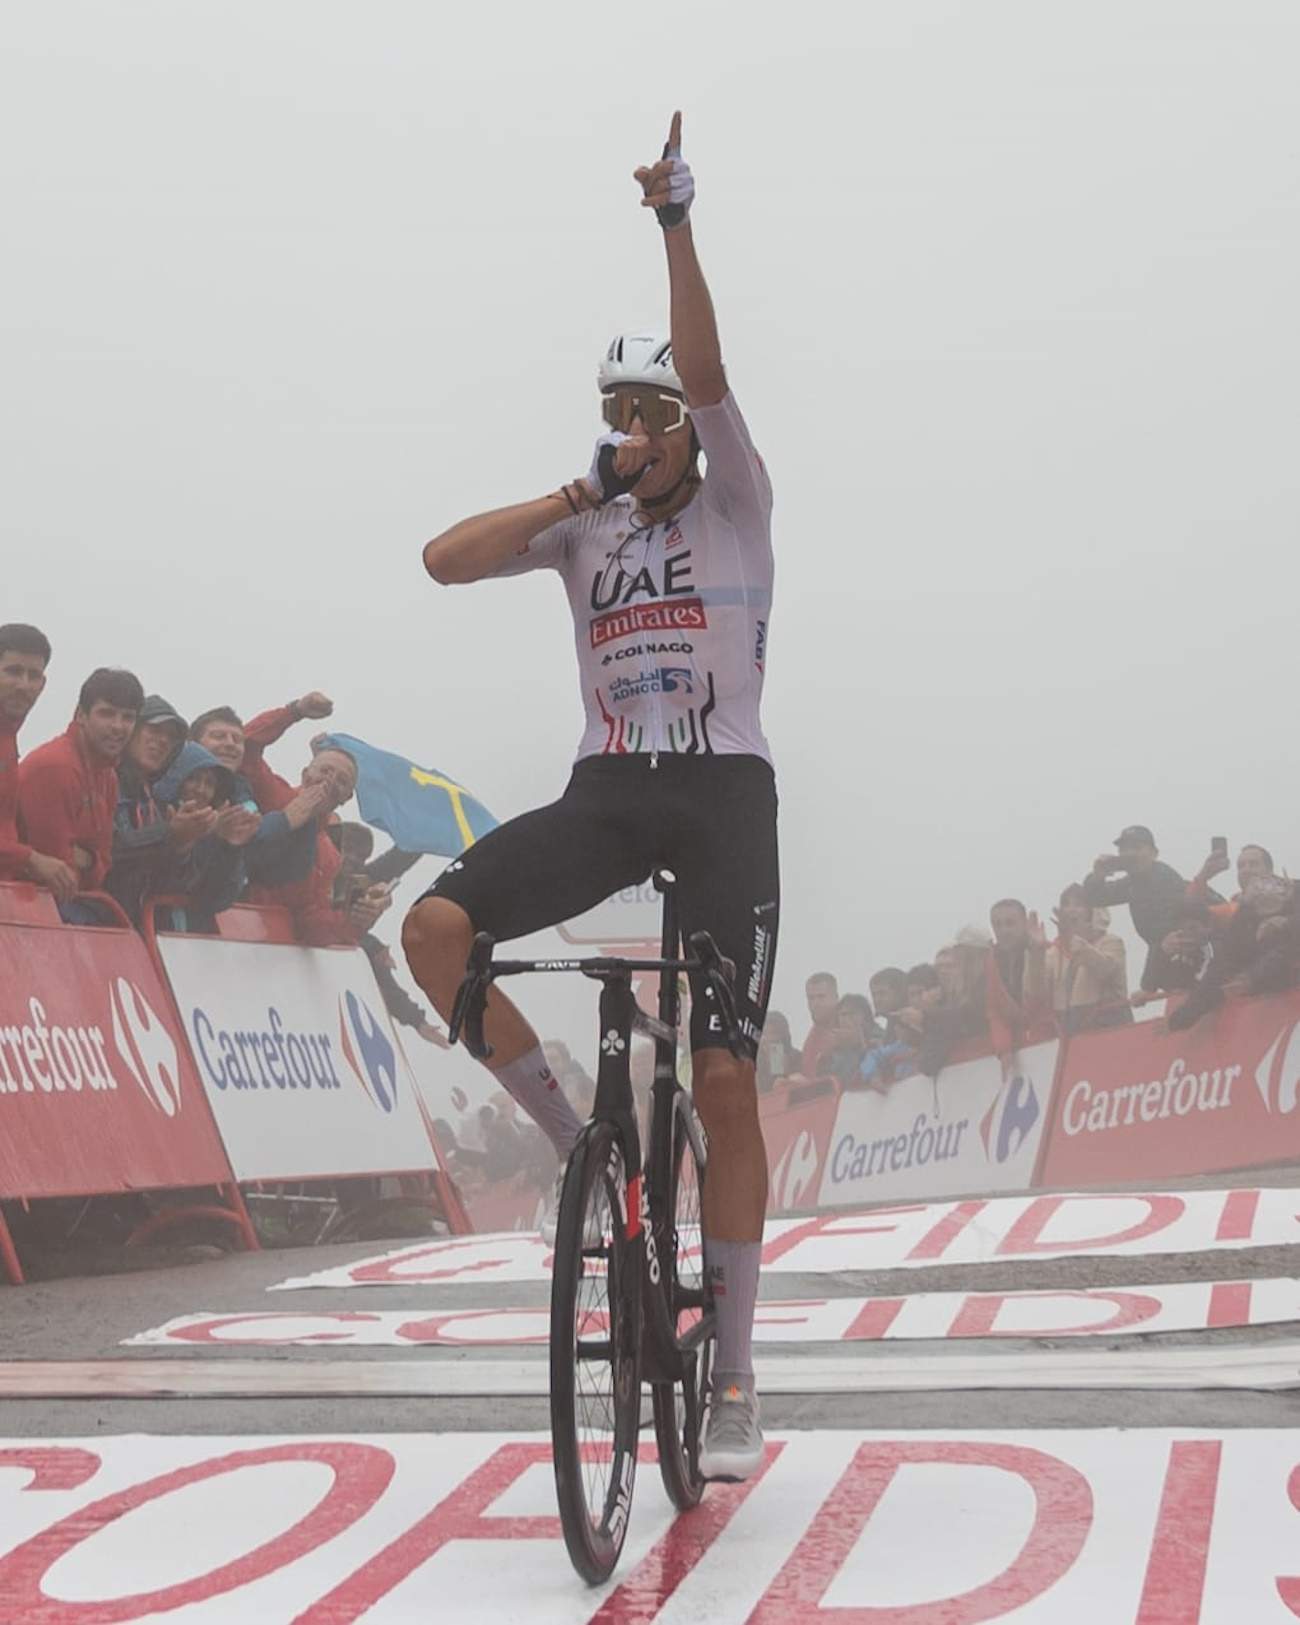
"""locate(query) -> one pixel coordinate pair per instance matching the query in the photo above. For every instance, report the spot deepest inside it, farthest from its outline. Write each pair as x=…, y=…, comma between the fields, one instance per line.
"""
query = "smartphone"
x=1219, y=846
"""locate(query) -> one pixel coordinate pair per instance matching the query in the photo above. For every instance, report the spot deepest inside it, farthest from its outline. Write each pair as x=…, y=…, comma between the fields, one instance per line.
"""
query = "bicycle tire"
x=596, y=1394
x=679, y=1406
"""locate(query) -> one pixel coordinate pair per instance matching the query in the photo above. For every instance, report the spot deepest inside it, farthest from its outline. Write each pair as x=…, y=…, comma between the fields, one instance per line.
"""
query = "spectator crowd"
x=1019, y=981
x=134, y=810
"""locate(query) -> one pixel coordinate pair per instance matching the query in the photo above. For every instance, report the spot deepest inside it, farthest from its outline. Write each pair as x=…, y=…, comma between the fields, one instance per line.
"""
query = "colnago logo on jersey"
x=677, y=646
x=666, y=680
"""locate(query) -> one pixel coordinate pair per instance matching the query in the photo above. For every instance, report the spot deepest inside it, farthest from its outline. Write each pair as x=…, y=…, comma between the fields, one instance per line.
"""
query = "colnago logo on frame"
x=147, y=1049
x=367, y=1050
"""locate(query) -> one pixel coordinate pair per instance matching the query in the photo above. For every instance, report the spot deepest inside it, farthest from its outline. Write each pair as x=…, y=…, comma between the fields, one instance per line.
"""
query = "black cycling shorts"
x=711, y=820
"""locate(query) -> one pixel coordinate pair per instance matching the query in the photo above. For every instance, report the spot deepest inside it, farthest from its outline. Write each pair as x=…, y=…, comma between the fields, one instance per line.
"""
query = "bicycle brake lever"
x=471, y=1000
x=720, y=974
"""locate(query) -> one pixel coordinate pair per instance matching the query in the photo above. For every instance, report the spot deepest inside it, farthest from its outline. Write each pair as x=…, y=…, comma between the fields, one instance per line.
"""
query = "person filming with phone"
x=1156, y=895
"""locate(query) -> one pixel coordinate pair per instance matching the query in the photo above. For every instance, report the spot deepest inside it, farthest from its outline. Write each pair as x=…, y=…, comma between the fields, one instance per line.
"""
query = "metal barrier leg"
x=236, y=1198
x=9, y=1255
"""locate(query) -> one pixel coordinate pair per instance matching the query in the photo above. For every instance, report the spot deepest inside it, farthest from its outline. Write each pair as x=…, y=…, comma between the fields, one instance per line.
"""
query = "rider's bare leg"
x=735, y=1199
x=437, y=936
x=725, y=1092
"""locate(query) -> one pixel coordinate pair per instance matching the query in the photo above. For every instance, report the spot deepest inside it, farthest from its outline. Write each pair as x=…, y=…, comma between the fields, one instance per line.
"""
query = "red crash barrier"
x=98, y=1092
x=1142, y=1103
x=1127, y=1105
x=797, y=1119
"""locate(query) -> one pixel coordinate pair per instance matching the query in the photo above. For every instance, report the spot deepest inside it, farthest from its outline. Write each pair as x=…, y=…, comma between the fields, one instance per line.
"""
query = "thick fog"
x=1007, y=292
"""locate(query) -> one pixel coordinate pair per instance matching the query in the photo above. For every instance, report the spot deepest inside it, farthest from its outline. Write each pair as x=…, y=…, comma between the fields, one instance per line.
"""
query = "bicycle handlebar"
x=481, y=971
x=471, y=999
x=720, y=978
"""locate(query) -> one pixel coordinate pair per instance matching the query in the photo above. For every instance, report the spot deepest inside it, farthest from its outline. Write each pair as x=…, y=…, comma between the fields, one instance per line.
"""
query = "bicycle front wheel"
x=679, y=1406
x=595, y=1354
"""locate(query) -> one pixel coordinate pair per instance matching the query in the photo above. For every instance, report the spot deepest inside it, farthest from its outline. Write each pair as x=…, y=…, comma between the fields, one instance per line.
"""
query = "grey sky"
x=1007, y=292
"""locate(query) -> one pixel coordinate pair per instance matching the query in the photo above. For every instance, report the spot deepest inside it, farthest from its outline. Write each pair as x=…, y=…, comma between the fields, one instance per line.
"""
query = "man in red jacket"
x=67, y=788
x=331, y=775
x=24, y=655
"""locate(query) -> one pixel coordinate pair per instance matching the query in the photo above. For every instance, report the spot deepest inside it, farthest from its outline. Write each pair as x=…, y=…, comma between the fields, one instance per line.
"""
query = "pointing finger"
x=674, y=147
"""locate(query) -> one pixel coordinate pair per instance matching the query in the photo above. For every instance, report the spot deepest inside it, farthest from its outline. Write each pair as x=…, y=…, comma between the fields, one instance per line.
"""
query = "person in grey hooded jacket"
x=214, y=874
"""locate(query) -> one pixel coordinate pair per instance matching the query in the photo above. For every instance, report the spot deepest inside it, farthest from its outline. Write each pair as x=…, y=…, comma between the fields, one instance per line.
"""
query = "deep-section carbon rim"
x=595, y=1354
x=678, y=1407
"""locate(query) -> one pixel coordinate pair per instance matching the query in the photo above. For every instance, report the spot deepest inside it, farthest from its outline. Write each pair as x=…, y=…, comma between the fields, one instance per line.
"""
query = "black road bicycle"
x=629, y=1296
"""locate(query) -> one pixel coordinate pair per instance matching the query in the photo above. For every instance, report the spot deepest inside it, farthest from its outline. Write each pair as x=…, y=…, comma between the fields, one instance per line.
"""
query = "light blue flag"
x=423, y=810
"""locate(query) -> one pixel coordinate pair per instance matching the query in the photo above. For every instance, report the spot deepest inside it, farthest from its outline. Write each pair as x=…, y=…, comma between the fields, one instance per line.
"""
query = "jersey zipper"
x=655, y=695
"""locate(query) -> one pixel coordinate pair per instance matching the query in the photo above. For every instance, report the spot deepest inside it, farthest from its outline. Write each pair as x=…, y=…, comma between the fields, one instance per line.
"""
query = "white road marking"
x=1264, y=1366
x=1042, y=1527
x=1066, y=1312
x=916, y=1235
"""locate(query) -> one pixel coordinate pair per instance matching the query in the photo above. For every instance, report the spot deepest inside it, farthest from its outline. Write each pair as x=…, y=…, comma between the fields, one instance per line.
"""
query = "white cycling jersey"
x=671, y=619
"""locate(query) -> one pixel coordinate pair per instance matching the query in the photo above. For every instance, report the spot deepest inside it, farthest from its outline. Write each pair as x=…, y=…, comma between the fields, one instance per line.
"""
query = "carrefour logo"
x=147, y=1050
x=1277, y=1077
x=368, y=1050
x=1009, y=1121
x=795, y=1175
x=265, y=1056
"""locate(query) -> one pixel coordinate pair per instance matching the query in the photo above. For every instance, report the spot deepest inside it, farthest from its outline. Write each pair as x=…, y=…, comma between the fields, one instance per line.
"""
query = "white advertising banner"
x=298, y=1058
x=975, y=1128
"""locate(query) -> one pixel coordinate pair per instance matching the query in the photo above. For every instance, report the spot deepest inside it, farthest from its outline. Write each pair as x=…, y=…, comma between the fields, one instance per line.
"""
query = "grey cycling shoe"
x=732, y=1450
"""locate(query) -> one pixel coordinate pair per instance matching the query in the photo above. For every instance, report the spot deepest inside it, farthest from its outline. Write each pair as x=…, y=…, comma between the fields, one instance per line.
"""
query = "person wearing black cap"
x=145, y=840
x=1156, y=895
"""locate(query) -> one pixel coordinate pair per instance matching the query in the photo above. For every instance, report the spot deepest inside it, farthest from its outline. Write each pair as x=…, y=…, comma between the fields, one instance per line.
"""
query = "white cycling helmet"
x=639, y=358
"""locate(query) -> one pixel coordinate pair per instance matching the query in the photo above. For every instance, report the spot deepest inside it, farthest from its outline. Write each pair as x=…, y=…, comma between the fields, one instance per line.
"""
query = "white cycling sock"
x=532, y=1083
x=733, y=1276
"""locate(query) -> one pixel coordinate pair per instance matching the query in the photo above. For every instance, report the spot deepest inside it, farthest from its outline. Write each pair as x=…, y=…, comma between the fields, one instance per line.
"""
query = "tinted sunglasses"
x=660, y=413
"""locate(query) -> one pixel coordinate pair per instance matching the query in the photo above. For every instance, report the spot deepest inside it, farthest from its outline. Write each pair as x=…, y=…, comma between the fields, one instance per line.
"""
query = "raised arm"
x=697, y=353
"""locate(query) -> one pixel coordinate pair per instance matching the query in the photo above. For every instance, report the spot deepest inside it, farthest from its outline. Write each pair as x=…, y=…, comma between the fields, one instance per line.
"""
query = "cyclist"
x=668, y=569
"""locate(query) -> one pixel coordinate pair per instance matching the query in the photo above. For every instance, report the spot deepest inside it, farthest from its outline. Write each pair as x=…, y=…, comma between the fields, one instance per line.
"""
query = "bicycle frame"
x=648, y=1221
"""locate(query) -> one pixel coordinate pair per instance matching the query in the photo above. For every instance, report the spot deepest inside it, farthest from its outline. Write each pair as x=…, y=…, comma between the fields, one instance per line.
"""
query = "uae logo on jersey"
x=674, y=538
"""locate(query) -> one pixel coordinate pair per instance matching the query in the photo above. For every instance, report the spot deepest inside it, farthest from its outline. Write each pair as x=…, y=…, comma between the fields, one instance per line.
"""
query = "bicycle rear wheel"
x=595, y=1354
x=679, y=1406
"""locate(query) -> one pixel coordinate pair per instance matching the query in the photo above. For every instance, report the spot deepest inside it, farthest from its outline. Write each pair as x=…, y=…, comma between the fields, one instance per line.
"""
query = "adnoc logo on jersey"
x=665, y=680
x=368, y=1050
x=147, y=1050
